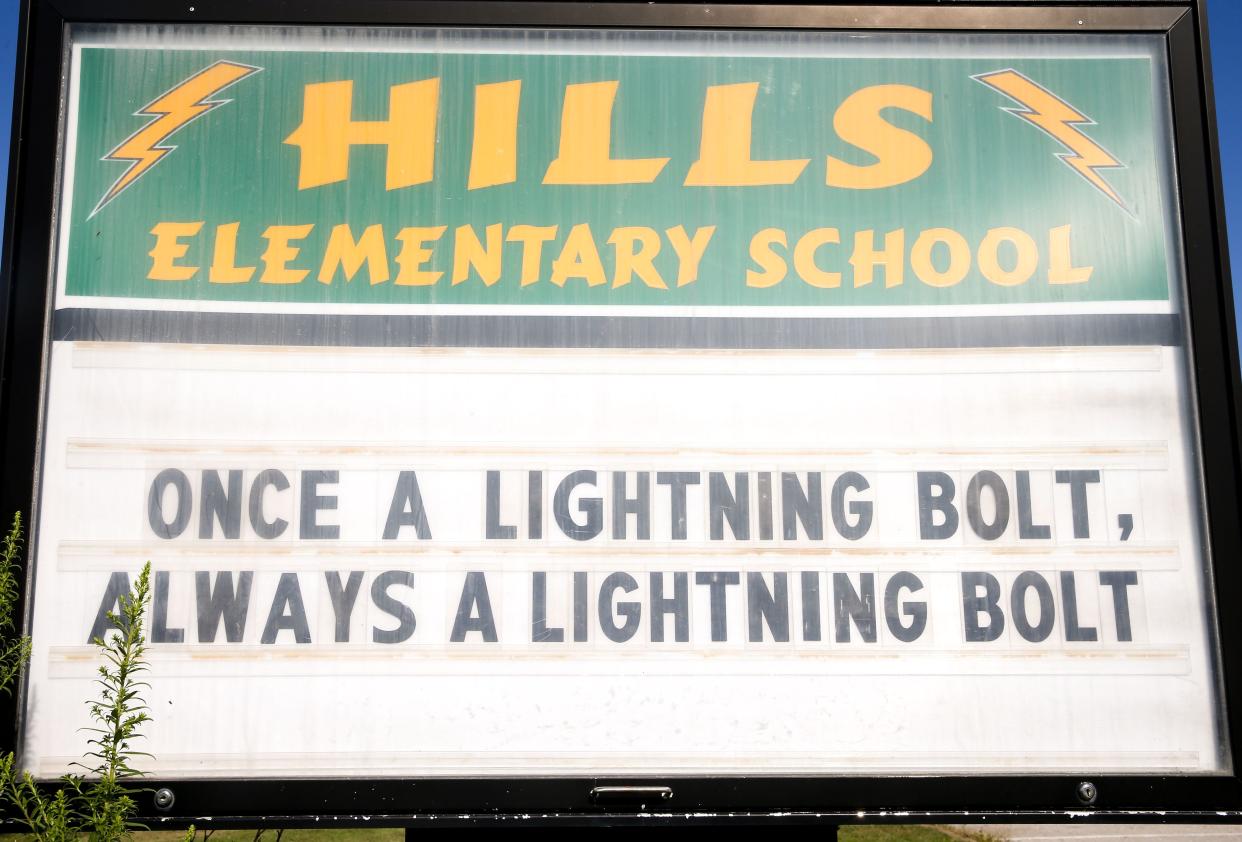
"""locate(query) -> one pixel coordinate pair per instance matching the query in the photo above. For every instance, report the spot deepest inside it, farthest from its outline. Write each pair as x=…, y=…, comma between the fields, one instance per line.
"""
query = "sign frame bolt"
x=1087, y=793
x=164, y=799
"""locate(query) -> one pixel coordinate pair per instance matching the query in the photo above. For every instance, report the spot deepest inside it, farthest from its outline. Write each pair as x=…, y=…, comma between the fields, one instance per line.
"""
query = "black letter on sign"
x=155, y=504
x=539, y=632
x=534, y=503
x=677, y=482
x=797, y=505
x=810, y=605
x=1078, y=498
x=767, y=606
x=160, y=632
x=861, y=509
x=287, y=611
x=629, y=610
x=724, y=505
x=848, y=605
x=474, y=595
x=496, y=529
x=639, y=505
x=1027, y=528
x=678, y=605
x=580, y=607
x=1069, y=598
x=221, y=603
x=716, y=583
x=974, y=511
x=262, y=527
x=407, y=509
x=592, y=507
x=973, y=605
x=765, y=506
x=214, y=503
x=394, y=607
x=118, y=585
x=343, y=598
x=939, y=501
x=1017, y=606
x=1119, y=580
x=312, y=504
x=916, y=611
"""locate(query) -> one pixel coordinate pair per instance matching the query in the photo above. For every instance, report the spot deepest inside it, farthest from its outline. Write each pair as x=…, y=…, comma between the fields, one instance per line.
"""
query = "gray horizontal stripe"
x=491, y=331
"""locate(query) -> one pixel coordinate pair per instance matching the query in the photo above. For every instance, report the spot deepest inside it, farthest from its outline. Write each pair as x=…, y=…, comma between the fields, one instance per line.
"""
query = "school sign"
x=465, y=179
x=570, y=413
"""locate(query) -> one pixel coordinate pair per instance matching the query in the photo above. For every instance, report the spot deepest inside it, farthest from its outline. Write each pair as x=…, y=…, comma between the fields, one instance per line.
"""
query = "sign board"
x=519, y=403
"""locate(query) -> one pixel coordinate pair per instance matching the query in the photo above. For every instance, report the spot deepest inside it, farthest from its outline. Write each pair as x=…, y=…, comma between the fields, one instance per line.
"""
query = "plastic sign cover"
x=525, y=403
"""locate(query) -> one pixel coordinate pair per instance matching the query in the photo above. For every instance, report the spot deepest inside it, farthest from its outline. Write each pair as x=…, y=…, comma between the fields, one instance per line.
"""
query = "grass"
x=909, y=833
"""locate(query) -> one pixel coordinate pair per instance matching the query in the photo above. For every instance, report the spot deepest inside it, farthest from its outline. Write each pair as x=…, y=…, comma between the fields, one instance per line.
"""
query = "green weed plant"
x=99, y=803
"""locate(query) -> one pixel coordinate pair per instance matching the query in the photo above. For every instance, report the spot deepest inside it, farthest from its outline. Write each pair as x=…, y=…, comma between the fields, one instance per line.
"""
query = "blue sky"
x=1225, y=20
x=1224, y=16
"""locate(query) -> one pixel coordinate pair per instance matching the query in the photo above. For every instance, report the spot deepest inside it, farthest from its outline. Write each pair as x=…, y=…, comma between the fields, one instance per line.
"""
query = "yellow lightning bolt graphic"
x=173, y=110
x=1060, y=121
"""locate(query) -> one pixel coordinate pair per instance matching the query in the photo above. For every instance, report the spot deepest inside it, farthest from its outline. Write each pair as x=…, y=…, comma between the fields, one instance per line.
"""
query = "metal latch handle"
x=630, y=794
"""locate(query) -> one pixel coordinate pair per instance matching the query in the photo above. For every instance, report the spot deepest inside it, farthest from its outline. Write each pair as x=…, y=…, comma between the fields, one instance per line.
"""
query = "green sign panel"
x=503, y=179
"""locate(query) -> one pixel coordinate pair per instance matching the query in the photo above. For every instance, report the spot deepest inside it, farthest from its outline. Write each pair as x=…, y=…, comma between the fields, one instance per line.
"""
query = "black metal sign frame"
x=24, y=308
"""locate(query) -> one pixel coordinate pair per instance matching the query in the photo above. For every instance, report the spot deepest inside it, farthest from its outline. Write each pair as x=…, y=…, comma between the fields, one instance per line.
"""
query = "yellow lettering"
x=1061, y=268
x=493, y=154
x=724, y=146
x=804, y=258
x=585, y=155
x=468, y=252
x=772, y=264
x=532, y=238
x=224, y=258
x=278, y=254
x=959, y=257
x=349, y=255
x=636, y=262
x=902, y=155
x=689, y=251
x=865, y=258
x=1024, y=265
x=579, y=258
x=414, y=255
x=168, y=248
x=328, y=130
